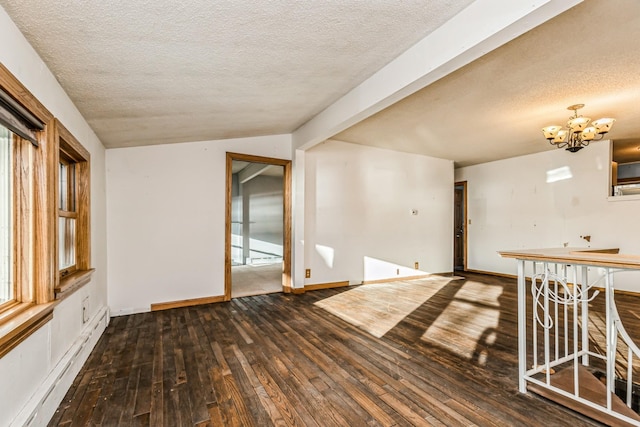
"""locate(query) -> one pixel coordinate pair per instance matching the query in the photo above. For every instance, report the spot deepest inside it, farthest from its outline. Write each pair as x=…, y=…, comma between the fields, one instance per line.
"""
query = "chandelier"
x=578, y=133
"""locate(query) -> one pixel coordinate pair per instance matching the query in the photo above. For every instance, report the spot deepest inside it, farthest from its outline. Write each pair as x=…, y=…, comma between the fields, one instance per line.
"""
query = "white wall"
x=166, y=219
x=512, y=206
x=30, y=373
x=358, y=222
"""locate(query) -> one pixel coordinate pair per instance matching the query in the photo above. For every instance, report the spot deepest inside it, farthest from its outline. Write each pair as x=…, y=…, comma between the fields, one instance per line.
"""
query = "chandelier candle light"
x=578, y=133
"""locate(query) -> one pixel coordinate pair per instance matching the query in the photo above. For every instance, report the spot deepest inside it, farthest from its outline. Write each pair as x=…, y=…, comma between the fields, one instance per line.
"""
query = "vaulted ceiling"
x=162, y=71
x=153, y=72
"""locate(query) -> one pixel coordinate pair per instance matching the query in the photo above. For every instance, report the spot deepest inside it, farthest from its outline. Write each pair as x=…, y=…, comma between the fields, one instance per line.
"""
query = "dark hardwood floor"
x=281, y=360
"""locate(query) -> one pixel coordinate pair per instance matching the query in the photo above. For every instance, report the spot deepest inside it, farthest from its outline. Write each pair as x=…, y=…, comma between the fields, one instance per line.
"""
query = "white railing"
x=562, y=336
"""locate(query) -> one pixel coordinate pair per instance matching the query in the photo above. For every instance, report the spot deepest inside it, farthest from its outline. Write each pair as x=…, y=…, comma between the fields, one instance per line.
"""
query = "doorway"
x=258, y=226
x=460, y=227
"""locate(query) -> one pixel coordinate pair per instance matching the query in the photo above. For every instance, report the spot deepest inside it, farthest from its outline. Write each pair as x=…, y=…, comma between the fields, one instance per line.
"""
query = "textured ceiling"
x=161, y=71
x=495, y=107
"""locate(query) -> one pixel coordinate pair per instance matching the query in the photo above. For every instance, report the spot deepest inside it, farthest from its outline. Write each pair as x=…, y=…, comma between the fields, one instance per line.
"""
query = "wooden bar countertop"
x=608, y=257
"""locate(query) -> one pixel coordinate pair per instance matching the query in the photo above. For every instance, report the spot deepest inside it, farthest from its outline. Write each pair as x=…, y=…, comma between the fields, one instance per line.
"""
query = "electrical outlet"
x=416, y=265
x=307, y=273
x=85, y=309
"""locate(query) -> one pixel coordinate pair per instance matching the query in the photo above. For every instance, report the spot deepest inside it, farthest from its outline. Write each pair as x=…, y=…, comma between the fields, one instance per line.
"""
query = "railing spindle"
x=566, y=316
x=629, y=376
x=576, y=382
x=547, y=350
x=535, y=323
x=555, y=307
x=610, y=348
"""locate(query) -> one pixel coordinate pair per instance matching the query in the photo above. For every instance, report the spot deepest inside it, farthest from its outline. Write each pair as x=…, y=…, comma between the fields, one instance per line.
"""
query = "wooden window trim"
x=70, y=283
x=67, y=214
x=11, y=85
x=69, y=150
x=20, y=321
x=22, y=274
x=31, y=307
x=65, y=211
x=33, y=304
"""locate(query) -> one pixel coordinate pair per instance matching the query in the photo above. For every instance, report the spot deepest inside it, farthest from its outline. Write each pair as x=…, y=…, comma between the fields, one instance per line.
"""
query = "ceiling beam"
x=477, y=30
x=251, y=171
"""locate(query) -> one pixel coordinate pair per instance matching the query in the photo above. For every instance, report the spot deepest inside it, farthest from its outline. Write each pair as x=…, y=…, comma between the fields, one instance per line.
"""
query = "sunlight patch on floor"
x=469, y=323
x=377, y=308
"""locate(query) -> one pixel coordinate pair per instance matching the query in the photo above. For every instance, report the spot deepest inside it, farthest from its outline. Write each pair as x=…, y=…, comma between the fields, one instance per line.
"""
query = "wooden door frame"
x=286, y=238
x=463, y=184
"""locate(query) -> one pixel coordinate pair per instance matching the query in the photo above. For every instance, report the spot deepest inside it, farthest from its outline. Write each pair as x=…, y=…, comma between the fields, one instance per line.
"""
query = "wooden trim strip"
x=288, y=220
x=396, y=279
x=12, y=309
x=70, y=145
x=21, y=94
x=18, y=328
x=325, y=286
x=595, y=258
x=69, y=284
x=227, y=228
x=258, y=159
x=295, y=291
x=22, y=204
x=44, y=218
x=186, y=303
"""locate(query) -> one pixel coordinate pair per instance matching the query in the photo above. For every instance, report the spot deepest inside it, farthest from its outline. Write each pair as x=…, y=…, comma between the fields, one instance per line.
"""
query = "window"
x=67, y=216
x=18, y=218
x=73, y=213
x=44, y=213
x=25, y=292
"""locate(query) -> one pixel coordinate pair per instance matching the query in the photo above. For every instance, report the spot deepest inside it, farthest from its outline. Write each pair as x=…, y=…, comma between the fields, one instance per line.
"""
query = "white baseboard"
x=44, y=402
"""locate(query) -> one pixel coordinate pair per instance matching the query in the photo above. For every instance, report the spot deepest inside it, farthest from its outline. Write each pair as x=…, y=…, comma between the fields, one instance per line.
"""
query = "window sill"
x=20, y=321
x=624, y=198
x=71, y=283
